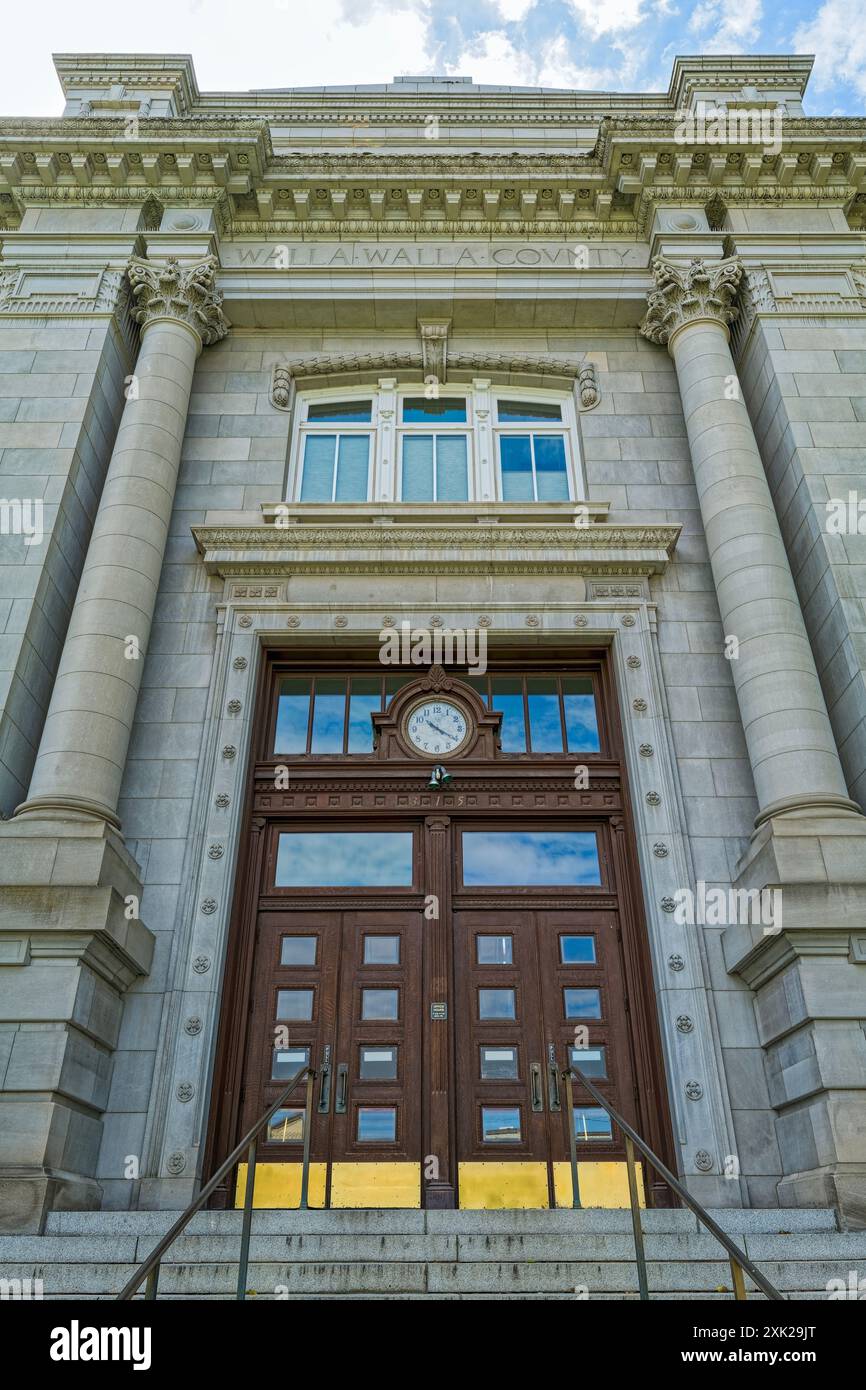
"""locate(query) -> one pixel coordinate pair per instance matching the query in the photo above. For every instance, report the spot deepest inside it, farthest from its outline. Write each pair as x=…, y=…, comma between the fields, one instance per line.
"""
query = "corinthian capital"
x=686, y=293
x=185, y=293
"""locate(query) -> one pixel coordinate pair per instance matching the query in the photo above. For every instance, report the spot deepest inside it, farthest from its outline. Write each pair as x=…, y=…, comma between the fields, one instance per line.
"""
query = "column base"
x=68, y=953
x=68, y=808
x=807, y=969
x=26, y=1199
x=843, y=1187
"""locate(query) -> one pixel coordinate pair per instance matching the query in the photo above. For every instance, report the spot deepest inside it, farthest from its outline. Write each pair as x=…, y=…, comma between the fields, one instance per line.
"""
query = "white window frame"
x=482, y=429
x=566, y=428
x=306, y=427
x=464, y=428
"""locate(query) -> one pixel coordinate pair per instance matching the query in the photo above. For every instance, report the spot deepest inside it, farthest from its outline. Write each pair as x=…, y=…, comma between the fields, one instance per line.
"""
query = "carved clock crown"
x=389, y=734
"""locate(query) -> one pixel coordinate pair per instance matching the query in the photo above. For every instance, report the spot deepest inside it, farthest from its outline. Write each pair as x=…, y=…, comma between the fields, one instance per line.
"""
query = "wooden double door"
x=438, y=1026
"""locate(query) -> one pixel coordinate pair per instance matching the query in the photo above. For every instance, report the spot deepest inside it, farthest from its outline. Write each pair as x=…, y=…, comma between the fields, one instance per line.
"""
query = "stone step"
x=269, y=1279
x=305, y=1247
x=735, y=1221
x=530, y=1254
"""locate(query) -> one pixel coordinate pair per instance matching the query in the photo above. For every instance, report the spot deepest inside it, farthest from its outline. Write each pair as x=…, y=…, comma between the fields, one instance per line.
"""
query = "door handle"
x=554, y=1103
x=324, y=1088
x=535, y=1086
x=342, y=1088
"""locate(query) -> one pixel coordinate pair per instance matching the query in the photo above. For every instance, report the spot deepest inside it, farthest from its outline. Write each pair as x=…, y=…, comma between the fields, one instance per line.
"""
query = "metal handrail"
x=739, y=1261
x=149, y=1268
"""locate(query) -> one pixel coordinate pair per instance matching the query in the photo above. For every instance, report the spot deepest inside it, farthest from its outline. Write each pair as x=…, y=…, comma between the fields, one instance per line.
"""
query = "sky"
x=613, y=45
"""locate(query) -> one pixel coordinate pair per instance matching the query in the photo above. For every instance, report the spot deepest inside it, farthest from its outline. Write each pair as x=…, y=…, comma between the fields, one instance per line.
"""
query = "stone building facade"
x=283, y=371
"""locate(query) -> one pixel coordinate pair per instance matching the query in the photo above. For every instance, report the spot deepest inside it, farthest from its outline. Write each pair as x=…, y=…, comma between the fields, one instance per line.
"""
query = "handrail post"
x=308, y=1134
x=639, y=1255
x=739, y=1281
x=246, y=1228
x=735, y=1255
x=152, y=1282
x=147, y=1266
x=572, y=1139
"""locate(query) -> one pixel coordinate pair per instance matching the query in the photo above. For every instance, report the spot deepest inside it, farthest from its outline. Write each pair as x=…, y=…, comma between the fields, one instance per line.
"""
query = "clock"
x=436, y=727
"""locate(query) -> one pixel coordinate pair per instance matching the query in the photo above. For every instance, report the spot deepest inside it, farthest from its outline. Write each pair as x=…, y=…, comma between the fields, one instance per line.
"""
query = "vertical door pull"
x=553, y=1101
x=325, y=1082
x=342, y=1088
x=535, y=1084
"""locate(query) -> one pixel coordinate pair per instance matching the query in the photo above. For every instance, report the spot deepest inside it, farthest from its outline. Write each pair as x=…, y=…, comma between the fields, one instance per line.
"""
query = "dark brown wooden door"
x=531, y=986
x=339, y=990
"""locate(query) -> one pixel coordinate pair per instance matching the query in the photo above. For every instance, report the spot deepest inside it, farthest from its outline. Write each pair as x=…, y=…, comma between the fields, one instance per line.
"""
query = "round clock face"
x=436, y=727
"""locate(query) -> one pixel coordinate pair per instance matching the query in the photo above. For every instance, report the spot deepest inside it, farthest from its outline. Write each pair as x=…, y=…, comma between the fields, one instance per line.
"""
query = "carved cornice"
x=287, y=374
x=622, y=226
x=687, y=294
x=598, y=536
x=753, y=195
x=598, y=549
x=186, y=294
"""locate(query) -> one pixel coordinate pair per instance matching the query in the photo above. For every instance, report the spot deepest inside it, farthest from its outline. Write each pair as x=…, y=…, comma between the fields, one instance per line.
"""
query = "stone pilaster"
x=810, y=840
x=72, y=940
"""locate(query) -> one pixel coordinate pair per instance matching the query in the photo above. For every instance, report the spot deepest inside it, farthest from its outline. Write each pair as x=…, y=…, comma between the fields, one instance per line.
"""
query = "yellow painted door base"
x=511, y=1186
x=483, y=1186
x=502, y=1185
x=278, y=1185
x=375, y=1184
x=601, y=1184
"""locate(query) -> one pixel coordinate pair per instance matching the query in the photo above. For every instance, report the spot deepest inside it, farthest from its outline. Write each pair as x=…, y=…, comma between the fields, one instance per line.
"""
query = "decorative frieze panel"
x=49, y=293
x=826, y=291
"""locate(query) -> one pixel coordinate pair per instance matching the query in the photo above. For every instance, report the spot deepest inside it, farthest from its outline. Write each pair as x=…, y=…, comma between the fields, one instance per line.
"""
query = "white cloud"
x=609, y=16
x=276, y=43
x=493, y=58
x=837, y=37
x=513, y=11
x=725, y=28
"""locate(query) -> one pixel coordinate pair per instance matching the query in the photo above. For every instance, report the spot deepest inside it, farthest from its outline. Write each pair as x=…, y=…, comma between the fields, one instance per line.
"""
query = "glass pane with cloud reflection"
x=329, y=709
x=581, y=719
x=293, y=712
x=344, y=859
x=545, y=725
x=531, y=858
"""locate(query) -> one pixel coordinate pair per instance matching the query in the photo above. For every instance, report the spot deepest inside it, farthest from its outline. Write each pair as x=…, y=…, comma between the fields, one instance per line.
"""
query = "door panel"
x=340, y=989
x=561, y=969
x=498, y=1012
x=377, y=1115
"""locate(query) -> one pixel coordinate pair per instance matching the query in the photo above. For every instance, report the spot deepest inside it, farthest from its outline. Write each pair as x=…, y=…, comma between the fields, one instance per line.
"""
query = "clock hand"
x=436, y=727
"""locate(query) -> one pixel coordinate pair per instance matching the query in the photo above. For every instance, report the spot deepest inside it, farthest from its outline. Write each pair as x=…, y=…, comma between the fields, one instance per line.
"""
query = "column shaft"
x=792, y=751
x=82, y=753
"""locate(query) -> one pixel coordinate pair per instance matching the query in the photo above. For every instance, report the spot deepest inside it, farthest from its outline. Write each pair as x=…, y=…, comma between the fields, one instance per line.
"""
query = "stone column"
x=791, y=747
x=71, y=936
x=82, y=753
x=808, y=967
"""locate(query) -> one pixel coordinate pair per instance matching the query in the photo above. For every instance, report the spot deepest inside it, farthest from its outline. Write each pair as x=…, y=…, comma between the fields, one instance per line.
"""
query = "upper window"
x=393, y=445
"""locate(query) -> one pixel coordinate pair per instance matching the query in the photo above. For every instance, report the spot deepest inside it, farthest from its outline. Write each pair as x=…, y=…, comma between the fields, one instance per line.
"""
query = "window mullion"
x=384, y=484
